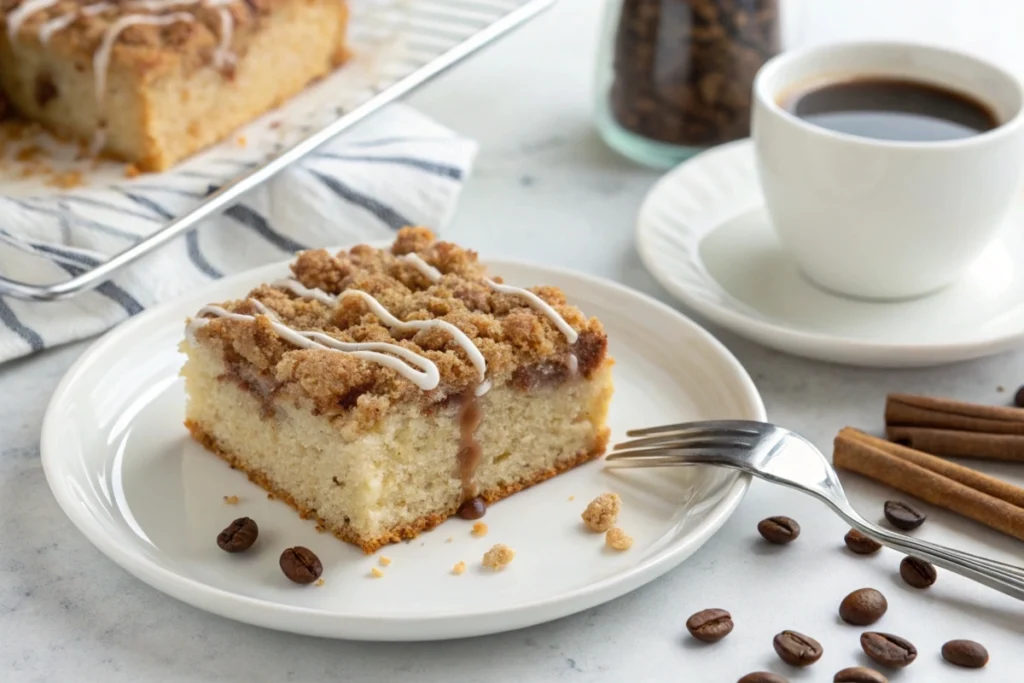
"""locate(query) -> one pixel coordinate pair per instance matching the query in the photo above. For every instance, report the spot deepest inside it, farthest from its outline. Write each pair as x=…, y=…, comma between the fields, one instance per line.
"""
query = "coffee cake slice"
x=153, y=81
x=383, y=391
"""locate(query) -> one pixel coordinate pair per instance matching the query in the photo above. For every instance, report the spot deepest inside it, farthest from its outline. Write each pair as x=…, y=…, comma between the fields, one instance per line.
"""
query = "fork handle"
x=1002, y=577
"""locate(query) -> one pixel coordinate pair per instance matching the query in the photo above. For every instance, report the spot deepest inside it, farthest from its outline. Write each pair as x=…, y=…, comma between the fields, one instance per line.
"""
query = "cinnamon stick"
x=983, y=499
x=949, y=442
x=939, y=413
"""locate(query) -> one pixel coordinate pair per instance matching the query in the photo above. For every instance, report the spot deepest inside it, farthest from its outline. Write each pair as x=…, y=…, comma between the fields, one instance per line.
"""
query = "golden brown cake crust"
x=404, y=531
x=521, y=346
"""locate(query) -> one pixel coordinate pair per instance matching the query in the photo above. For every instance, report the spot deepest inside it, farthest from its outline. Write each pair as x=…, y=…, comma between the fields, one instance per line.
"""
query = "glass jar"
x=675, y=76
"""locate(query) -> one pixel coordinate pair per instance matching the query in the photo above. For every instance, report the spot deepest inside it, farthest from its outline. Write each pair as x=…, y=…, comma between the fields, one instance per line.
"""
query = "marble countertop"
x=546, y=189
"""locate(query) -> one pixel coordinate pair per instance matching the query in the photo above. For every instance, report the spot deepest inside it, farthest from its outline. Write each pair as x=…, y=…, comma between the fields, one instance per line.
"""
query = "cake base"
x=405, y=531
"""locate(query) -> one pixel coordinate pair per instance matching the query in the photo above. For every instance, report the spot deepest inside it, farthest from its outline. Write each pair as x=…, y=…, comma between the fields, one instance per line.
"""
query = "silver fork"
x=784, y=457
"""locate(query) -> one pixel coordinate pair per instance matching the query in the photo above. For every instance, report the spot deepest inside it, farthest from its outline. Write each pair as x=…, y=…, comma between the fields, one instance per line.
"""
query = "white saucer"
x=704, y=235
x=124, y=470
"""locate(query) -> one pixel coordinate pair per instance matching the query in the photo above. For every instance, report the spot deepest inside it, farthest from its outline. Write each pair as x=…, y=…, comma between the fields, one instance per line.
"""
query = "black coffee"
x=889, y=109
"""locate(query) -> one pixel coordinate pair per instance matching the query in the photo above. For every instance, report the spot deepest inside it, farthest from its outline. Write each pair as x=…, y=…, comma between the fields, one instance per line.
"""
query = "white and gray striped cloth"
x=397, y=168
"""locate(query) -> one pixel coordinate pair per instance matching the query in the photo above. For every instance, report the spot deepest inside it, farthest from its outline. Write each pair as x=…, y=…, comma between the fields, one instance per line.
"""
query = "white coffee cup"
x=881, y=219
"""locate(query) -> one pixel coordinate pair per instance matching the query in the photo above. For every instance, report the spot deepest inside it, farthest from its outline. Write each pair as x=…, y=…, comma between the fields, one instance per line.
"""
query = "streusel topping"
x=521, y=346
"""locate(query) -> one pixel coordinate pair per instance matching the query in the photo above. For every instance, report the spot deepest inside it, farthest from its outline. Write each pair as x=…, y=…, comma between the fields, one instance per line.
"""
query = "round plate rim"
x=816, y=345
x=324, y=623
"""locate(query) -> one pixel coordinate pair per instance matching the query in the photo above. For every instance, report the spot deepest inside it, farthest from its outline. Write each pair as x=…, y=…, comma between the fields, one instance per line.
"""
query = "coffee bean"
x=710, y=625
x=779, y=530
x=917, y=572
x=902, y=516
x=474, y=508
x=1018, y=398
x=888, y=649
x=301, y=565
x=863, y=606
x=861, y=544
x=859, y=674
x=796, y=649
x=762, y=677
x=965, y=653
x=238, y=536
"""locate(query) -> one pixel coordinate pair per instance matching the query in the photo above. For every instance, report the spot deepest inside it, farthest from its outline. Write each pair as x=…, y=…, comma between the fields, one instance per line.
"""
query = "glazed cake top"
x=141, y=33
x=520, y=343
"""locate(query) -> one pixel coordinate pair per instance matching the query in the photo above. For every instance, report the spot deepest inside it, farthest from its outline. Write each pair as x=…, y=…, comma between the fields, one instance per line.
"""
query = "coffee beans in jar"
x=682, y=71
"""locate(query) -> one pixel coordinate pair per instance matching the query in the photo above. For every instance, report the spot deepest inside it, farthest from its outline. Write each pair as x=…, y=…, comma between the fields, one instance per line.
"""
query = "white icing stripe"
x=428, y=271
x=60, y=23
x=427, y=378
x=475, y=357
x=574, y=364
x=434, y=275
x=223, y=56
x=101, y=60
x=53, y=25
x=17, y=17
x=538, y=304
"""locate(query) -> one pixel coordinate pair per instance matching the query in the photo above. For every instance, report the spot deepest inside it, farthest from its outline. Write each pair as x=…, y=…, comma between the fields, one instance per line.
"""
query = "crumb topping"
x=192, y=42
x=498, y=557
x=521, y=346
x=617, y=539
x=479, y=529
x=602, y=512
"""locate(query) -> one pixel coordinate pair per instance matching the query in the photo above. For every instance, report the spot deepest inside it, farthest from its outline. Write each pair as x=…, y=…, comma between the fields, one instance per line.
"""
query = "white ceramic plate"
x=704, y=235
x=124, y=470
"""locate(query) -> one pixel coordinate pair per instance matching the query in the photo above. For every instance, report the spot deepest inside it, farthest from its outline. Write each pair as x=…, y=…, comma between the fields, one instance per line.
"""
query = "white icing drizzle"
x=101, y=60
x=60, y=23
x=426, y=378
x=223, y=57
x=18, y=16
x=428, y=271
x=434, y=275
x=574, y=364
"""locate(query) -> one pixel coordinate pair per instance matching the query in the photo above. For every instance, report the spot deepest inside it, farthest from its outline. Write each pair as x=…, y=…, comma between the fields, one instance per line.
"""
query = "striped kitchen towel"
x=397, y=168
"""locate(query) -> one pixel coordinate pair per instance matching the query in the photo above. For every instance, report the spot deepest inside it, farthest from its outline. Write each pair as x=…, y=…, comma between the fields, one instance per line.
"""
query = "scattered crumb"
x=376, y=573
x=1000, y=388
x=66, y=180
x=479, y=529
x=459, y=568
x=320, y=528
x=241, y=141
x=132, y=171
x=319, y=582
x=572, y=498
x=449, y=539
x=616, y=539
x=385, y=560
x=231, y=500
x=270, y=496
x=498, y=557
x=602, y=512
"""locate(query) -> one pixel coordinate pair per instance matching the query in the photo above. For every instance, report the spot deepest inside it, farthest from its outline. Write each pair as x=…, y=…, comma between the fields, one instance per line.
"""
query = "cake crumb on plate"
x=617, y=539
x=602, y=512
x=319, y=582
x=385, y=560
x=376, y=573
x=479, y=529
x=459, y=568
x=231, y=500
x=498, y=557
